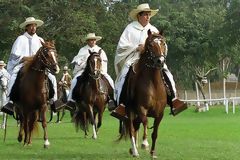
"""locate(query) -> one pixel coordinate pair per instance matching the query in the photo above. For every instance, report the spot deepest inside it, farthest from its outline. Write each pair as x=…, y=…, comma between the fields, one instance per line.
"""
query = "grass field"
x=212, y=135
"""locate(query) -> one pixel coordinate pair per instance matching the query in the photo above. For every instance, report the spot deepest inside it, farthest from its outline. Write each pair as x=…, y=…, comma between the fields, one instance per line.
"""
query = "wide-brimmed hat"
x=142, y=8
x=2, y=63
x=65, y=68
x=31, y=20
x=92, y=36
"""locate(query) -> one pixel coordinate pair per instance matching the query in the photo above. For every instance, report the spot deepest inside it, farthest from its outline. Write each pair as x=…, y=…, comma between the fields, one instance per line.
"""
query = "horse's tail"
x=81, y=120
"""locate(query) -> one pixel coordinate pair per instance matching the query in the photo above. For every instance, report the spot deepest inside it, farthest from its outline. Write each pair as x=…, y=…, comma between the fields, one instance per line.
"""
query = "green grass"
x=212, y=135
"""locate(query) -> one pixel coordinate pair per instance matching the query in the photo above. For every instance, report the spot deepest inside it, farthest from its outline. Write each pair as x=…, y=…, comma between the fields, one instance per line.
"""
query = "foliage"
x=199, y=33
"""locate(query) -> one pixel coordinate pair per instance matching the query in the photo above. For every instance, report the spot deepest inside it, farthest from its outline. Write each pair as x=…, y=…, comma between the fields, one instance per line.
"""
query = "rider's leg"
x=9, y=107
x=54, y=102
x=71, y=104
x=176, y=105
x=120, y=112
x=111, y=101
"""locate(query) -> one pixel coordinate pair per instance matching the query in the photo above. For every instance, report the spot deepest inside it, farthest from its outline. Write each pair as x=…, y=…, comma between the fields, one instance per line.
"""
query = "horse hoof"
x=145, y=147
x=154, y=157
x=19, y=139
x=46, y=146
x=131, y=152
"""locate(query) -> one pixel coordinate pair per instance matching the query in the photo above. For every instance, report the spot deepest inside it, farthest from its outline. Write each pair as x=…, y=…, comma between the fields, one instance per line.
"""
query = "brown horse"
x=31, y=91
x=144, y=92
x=91, y=94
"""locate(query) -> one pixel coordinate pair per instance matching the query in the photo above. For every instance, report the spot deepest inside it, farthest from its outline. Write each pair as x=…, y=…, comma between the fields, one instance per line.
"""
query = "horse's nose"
x=56, y=69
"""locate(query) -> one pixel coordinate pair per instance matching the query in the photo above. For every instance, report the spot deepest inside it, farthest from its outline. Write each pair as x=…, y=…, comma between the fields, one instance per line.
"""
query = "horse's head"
x=155, y=50
x=95, y=64
x=48, y=56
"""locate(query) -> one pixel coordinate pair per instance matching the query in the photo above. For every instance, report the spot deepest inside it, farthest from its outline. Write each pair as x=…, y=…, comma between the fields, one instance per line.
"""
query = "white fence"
x=226, y=101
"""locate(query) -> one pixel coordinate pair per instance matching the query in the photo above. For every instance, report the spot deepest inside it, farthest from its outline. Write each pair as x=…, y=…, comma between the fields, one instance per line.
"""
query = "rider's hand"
x=140, y=48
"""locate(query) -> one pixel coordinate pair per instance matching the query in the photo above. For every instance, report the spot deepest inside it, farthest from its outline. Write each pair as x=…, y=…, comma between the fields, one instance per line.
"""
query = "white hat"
x=2, y=63
x=92, y=36
x=142, y=8
x=31, y=20
x=65, y=68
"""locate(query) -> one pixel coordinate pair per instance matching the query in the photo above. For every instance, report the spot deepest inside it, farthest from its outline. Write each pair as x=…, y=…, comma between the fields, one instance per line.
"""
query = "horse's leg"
x=132, y=150
x=21, y=129
x=145, y=144
x=156, y=123
x=44, y=126
x=100, y=115
x=63, y=113
x=85, y=124
x=31, y=123
x=93, y=122
x=26, y=130
x=58, y=115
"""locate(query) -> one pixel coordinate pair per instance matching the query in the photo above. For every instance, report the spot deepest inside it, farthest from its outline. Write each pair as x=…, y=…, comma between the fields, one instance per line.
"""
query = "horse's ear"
x=90, y=52
x=161, y=32
x=53, y=42
x=100, y=51
x=149, y=32
x=42, y=42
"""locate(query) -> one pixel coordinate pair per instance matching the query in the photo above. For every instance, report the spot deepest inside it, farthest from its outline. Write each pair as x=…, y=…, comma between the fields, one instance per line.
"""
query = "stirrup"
x=8, y=108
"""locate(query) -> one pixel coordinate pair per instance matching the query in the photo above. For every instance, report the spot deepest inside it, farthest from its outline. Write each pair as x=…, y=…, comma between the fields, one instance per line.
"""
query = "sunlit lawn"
x=212, y=135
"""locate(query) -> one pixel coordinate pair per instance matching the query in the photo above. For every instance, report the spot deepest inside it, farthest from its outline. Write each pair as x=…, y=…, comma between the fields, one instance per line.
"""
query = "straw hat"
x=92, y=36
x=31, y=20
x=2, y=63
x=141, y=8
x=65, y=68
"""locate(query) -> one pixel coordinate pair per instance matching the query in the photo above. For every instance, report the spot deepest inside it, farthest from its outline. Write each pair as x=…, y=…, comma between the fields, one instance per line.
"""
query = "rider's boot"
x=8, y=108
x=178, y=106
x=120, y=112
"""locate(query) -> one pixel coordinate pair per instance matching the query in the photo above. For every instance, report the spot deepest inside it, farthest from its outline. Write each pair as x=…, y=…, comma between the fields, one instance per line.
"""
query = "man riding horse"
x=130, y=45
x=26, y=46
x=80, y=61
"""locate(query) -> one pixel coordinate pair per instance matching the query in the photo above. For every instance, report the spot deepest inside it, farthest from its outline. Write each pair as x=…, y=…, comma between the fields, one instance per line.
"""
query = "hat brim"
x=133, y=14
x=24, y=24
x=96, y=37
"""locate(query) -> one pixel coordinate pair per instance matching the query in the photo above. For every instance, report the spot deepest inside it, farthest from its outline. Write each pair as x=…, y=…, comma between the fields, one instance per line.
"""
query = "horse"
x=91, y=95
x=31, y=92
x=3, y=96
x=144, y=93
x=63, y=91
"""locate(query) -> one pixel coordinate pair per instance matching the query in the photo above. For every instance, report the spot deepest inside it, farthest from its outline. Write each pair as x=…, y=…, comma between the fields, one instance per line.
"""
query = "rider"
x=25, y=45
x=80, y=61
x=131, y=43
x=5, y=77
x=66, y=78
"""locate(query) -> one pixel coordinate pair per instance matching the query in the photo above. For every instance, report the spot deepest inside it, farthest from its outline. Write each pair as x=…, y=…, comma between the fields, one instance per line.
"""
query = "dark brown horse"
x=144, y=92
x=32, y=91
x=91, y=94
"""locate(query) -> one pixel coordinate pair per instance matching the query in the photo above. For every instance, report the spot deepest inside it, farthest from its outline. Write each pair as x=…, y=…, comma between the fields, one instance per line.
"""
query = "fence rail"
x=226, y=101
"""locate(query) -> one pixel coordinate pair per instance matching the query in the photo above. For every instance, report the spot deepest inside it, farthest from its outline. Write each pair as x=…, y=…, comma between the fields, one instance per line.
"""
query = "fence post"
x=226, y=105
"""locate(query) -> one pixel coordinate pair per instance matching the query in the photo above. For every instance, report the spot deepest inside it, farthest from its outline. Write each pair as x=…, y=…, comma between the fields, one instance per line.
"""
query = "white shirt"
x=4, y=73
x=80, y=59
x=133, y=35
x=24, y=46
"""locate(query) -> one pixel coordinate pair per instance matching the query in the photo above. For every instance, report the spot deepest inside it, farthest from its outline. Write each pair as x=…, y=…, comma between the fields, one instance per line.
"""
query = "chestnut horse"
x=144, y=93
x=31, y=91
x=91, y=94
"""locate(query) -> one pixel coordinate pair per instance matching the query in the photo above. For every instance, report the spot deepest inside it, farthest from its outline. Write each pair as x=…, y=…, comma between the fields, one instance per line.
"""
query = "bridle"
x=155, y=60
x=43, y=51
x=95, y=72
